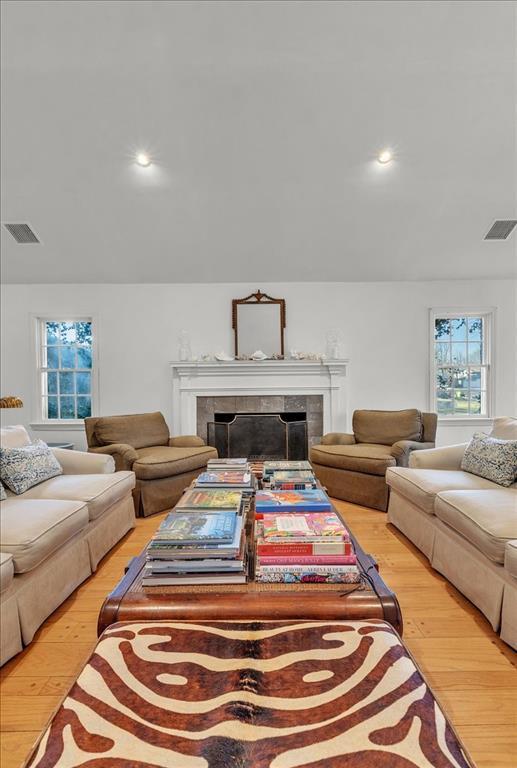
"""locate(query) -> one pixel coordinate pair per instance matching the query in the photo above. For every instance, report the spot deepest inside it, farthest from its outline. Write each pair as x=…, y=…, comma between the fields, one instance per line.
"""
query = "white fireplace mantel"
x=191, y=380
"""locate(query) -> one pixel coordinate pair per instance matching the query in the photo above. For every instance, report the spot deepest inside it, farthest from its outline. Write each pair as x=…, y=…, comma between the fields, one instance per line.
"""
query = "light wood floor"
x=473, y=673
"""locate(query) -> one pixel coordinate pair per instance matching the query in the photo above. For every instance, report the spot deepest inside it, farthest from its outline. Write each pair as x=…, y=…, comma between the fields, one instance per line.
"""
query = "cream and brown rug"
x=250, y=695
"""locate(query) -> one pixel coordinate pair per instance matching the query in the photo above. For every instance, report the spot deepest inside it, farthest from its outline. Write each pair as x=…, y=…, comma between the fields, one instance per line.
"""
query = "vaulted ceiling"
x=263, y=120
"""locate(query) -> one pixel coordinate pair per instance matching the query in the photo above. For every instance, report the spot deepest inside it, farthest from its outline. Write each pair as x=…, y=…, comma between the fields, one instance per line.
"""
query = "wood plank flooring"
x=473, y=673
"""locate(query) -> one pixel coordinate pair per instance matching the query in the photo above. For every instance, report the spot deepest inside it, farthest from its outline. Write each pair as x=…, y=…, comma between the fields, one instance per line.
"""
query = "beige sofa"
x=53, y=536
x=465, y=525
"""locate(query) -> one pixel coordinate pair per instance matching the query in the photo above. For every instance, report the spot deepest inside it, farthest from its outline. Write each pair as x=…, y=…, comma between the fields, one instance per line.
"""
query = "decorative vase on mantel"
x=185, y=350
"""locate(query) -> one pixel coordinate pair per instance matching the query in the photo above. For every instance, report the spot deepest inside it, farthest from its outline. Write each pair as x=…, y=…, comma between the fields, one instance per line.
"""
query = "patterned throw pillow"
x=22, y=468
x=491, y=458
x=3, y=494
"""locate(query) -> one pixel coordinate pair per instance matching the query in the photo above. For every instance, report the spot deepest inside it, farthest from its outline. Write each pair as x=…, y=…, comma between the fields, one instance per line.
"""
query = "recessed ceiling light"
x=386, y=156
x=143, y=159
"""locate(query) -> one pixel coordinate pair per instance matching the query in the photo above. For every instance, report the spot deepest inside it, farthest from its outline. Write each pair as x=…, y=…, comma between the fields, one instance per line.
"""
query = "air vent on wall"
x=22, y=233
x=500, y=229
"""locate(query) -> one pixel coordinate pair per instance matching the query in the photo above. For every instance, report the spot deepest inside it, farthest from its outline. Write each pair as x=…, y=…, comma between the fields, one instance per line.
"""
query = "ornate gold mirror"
x=258, y=321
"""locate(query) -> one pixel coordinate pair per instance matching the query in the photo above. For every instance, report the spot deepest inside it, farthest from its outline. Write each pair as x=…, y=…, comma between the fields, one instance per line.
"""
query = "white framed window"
x=461, y=368
x=66, y=369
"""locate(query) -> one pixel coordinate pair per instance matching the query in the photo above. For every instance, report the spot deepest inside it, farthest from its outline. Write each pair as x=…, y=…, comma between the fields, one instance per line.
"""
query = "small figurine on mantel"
x=332, y=349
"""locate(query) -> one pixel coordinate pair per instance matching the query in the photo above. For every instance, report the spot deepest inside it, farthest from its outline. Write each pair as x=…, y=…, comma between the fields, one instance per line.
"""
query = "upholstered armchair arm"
x=337, y=438
x=123, y=454
x=402, y=450
x=447, y=457
x=186, y=441
x=82, y=463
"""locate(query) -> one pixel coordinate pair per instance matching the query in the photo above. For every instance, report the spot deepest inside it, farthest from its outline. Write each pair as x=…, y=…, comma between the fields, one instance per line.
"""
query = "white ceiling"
x=264, y=119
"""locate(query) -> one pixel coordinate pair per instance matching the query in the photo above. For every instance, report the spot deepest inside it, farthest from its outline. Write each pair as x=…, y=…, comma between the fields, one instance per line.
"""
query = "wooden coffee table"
x=372, y=599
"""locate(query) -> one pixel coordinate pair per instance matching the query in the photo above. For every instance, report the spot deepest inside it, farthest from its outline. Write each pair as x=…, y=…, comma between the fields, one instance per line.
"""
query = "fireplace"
x=259, y=436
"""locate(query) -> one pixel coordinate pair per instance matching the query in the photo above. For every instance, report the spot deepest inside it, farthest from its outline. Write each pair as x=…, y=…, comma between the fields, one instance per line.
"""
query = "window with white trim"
x=65, y=368
x=461, y=364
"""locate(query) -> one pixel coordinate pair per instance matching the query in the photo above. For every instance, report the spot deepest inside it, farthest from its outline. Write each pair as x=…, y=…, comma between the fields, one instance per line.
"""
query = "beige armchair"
x=163, y=465
x=353, y=466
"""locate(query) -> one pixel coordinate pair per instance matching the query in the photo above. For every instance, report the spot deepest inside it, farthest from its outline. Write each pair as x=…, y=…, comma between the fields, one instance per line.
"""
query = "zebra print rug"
x=250, y=695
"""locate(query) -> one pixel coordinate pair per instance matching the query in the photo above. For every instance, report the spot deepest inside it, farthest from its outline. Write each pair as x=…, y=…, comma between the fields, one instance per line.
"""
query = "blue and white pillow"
x=22, y=468
x=491, y=458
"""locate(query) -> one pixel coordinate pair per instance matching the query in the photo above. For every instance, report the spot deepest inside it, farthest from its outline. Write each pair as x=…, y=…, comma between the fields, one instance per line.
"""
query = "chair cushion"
x=32, y=529
x=510, y=557
x=166, y=461
x=491, y=458
x=23, y=468
x=488, y=519
x=421, y=485
x=6, y=570
x=369, y=459
x=387, y=427
x=99, y=492
x=139, y=430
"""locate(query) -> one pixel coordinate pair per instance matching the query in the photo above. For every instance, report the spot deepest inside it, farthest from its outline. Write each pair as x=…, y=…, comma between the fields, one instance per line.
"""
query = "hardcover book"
x=193, y=528
x=307, y=527
x=303, y=549
x=307, y=560
x=209, y=498
x=224, y=477
x=313, y=500
x=306, y=577
x=273, y=466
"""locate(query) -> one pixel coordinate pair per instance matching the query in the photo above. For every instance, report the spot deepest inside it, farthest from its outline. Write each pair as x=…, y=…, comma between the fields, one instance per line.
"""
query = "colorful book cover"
x=307, y=577
x=240, y=462
x=290, y=476
x=192, y=527
x=313, y=500
x=304, y=527
x=209, y=498
x=224, y=477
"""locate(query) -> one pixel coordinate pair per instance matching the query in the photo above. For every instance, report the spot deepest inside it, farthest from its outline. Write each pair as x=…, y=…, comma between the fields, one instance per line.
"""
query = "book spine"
x=304, y=549
x=292, y=486
x=321, y=569
x=309, y=560
x=308, y=578
x=267, y=509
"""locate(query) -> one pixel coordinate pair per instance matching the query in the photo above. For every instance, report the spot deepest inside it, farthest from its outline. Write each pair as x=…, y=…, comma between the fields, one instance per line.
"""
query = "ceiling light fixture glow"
x=386, y=156
x=143, y=159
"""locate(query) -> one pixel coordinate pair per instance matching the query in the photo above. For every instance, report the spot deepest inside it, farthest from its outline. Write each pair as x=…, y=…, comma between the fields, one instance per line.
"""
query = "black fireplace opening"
x=259, y=436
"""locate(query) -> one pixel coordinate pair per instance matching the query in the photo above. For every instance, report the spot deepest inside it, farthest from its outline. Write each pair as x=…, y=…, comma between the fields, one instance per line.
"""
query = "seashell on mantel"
x=258, y=355
x=223, y=357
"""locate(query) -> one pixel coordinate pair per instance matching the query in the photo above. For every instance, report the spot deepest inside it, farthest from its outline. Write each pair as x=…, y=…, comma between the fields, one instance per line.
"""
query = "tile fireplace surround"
x=319, y=388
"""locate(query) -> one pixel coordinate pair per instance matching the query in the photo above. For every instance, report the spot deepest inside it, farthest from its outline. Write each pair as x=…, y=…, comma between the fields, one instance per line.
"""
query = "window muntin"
x=461, y=365
x=66, y=368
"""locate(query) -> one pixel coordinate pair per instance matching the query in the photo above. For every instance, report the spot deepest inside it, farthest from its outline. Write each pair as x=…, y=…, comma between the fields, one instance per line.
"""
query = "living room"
x=229, y=227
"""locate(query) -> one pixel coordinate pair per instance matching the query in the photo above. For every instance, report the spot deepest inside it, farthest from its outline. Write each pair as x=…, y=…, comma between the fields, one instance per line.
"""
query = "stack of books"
x=309, y=500
x=270, y=467
x=202, y=541
x=304, y=547
x=292, y=480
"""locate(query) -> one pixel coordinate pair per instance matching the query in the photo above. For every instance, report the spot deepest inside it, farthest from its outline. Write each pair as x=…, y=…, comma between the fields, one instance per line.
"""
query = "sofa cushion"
x=6, y=570
x=22, y=468
x=139, y=430
x=99, y=492
x=488, y=519
x=3, y=494
x=421, y=485
x=387, y=427
x=510, y=557
x=166, y=461
x=32, y=529
x=491, y=458
x=367, y=458
x=14, y=437
x=504, y=428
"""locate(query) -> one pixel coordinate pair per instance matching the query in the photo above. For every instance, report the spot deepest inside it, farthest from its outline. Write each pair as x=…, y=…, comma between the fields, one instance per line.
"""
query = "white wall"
x=384, y=329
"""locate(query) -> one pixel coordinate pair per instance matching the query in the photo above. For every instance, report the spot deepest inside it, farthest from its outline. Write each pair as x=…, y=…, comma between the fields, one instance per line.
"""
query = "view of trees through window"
x=66, y=371
x=460, y=366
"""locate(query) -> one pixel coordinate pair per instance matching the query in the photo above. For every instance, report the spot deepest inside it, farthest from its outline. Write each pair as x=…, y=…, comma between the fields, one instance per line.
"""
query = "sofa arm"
x=124, y=455
x=337, y=438
x=82, y=463
x=402, y=450
x=187, y=441
x=447, y=457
